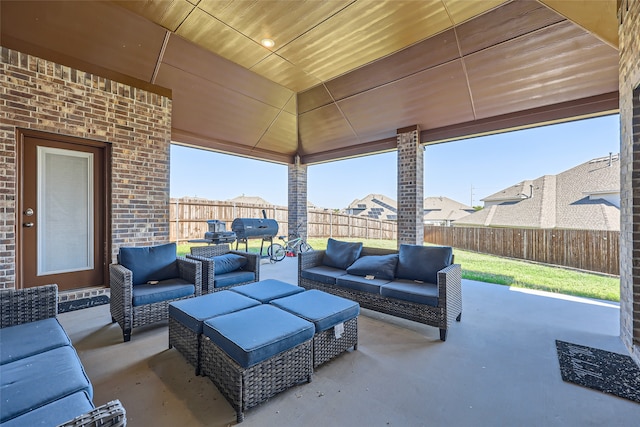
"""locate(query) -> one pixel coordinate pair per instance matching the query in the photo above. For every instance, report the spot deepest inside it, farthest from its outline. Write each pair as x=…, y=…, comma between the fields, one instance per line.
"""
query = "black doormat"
x=601, y=370
x=79, y=304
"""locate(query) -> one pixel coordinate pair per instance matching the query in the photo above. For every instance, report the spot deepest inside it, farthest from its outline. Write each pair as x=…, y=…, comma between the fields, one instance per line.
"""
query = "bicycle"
x=297, y=244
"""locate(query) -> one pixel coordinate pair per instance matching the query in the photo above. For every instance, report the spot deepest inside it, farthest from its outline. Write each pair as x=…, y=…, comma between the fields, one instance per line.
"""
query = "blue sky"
x=486, y=164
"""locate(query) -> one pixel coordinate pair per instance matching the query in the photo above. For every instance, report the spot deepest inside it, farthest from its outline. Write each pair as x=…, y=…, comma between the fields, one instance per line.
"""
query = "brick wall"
x=297, y=197
x=41, y=95
x=629, y=18
x=410, y=187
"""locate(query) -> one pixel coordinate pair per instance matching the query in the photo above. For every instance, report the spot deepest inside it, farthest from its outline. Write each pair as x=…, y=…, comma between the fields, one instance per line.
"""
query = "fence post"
x=177, y=221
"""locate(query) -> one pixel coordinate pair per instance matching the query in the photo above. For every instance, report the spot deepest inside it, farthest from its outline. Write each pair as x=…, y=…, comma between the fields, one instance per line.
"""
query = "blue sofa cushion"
x=253, y=335
x=150, y=262
x=228, y=262
x=422, y=263
x=54, y=413
x=37, y=380
x=163, y=291
x=323, y=274
x=192, y=312
x=267, y=290
x=322, y=309
x=408, y=290
x=379, y=266
x=31, y=338
x=359, y=283
x=341, y=254
x=233, y=278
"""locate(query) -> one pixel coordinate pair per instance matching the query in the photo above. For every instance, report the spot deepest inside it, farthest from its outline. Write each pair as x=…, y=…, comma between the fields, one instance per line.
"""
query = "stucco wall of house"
x=629, y=32
x=48, y=97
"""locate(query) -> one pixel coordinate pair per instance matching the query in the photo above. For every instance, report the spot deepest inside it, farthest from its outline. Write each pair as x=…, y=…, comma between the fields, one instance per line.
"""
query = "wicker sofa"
x=42, y=379
x=234, y=268
x=398, y=283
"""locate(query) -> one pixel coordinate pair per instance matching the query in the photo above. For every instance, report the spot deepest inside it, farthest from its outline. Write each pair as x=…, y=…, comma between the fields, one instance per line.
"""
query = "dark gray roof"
x=574, y=199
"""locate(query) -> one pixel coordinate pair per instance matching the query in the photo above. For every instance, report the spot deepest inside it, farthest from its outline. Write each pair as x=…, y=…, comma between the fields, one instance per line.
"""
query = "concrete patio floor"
x=498, y=367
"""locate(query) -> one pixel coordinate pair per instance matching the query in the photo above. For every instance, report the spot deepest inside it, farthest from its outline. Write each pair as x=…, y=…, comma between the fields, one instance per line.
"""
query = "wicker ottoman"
x=335, y=319
x=253, y=354
x=267, y=290
x=186, y=318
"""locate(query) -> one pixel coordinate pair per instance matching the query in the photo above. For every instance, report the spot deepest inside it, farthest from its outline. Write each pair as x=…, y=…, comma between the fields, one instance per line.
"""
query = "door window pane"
x=65, y=211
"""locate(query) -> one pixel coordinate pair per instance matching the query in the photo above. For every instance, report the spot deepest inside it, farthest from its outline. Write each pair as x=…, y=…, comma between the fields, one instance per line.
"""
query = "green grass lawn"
x=504, y=271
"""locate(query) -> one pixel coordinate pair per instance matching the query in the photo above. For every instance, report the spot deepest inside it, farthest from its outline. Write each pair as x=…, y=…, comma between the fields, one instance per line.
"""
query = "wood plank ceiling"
x=343, y=75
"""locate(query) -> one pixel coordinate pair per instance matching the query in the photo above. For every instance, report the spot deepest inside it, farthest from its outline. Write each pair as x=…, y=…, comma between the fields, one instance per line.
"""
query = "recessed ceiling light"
x=268, y=43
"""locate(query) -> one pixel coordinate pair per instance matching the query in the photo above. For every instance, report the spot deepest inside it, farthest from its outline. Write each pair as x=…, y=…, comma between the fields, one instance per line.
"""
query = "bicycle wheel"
x=305, y=247
x=275, y=252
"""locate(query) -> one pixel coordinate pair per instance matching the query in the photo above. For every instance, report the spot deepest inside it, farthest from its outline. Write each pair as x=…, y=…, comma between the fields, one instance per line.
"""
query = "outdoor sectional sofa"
x=42, y=380
x=419, y=283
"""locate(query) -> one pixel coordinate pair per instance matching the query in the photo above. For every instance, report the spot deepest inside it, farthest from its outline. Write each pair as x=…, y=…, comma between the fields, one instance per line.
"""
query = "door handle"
x=28, y=224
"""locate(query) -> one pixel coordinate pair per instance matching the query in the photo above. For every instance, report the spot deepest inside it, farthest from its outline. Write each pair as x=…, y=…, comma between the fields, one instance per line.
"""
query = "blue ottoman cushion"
x=37, y=380
x=253, y=335
x=323, y=309
x=192, y=312
x=267, y=290
x=323, y=274
x=54, y=413
x=359, y=283
x=31, y=338
x=408, y=290
x=163, y=291
x=232, y=278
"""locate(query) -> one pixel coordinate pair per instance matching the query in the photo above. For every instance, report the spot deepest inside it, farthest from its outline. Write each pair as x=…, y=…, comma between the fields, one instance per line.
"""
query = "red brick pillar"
x=298, y=197
x=410, y=186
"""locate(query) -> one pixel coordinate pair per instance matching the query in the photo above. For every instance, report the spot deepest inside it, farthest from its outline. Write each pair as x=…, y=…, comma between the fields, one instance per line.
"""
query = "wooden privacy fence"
x=189, y=220
x=592, y=250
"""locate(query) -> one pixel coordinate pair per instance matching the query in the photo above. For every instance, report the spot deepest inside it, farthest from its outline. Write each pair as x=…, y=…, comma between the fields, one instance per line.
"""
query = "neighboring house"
x=444, y=211
x=374, y=206
x=584, y=197
x=250, y=200
x=437, y=210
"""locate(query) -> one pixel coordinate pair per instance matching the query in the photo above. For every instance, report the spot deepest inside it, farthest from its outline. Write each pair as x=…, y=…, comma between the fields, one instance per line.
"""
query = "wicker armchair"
x=133, y=302
x=205, y=255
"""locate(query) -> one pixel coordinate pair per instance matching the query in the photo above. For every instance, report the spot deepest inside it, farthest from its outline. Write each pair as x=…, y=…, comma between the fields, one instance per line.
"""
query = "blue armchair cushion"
x=150, y=262
x=54, y=413
x=192, y=312
x=31, y=338
x=422, y=263
x=322, y=309
x=163, y=291
x=267, y=290
x=40, y=379
x=228, y=262
x=341, y=254
x=233, y=278
x=408, y=290
x=378, y=266
x=253, y=335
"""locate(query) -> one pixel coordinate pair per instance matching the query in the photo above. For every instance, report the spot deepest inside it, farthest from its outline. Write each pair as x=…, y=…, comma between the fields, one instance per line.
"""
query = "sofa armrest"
x=110, y=414
x=253, y=262
x=191, y=271
x=121, y=283
x=208, y=272
x=450, y=291
x=310, y=259
x=19, y=306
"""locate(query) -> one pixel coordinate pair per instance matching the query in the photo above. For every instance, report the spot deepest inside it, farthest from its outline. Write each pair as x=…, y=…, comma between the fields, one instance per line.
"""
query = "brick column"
x=298, y=197
x=410, y=186
x=629, y=87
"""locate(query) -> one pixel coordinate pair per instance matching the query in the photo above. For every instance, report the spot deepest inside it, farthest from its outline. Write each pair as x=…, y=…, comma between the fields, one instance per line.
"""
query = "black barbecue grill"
x=254, y=228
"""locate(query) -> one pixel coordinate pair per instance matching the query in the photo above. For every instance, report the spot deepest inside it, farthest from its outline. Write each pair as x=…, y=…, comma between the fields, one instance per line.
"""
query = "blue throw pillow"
x=150, y=262
x=422, y=263
x=378, y=266
x=341, y=254
x=228, y=262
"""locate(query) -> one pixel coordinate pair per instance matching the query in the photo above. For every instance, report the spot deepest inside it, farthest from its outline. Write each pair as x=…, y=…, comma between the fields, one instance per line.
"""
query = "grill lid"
x=254, y=228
